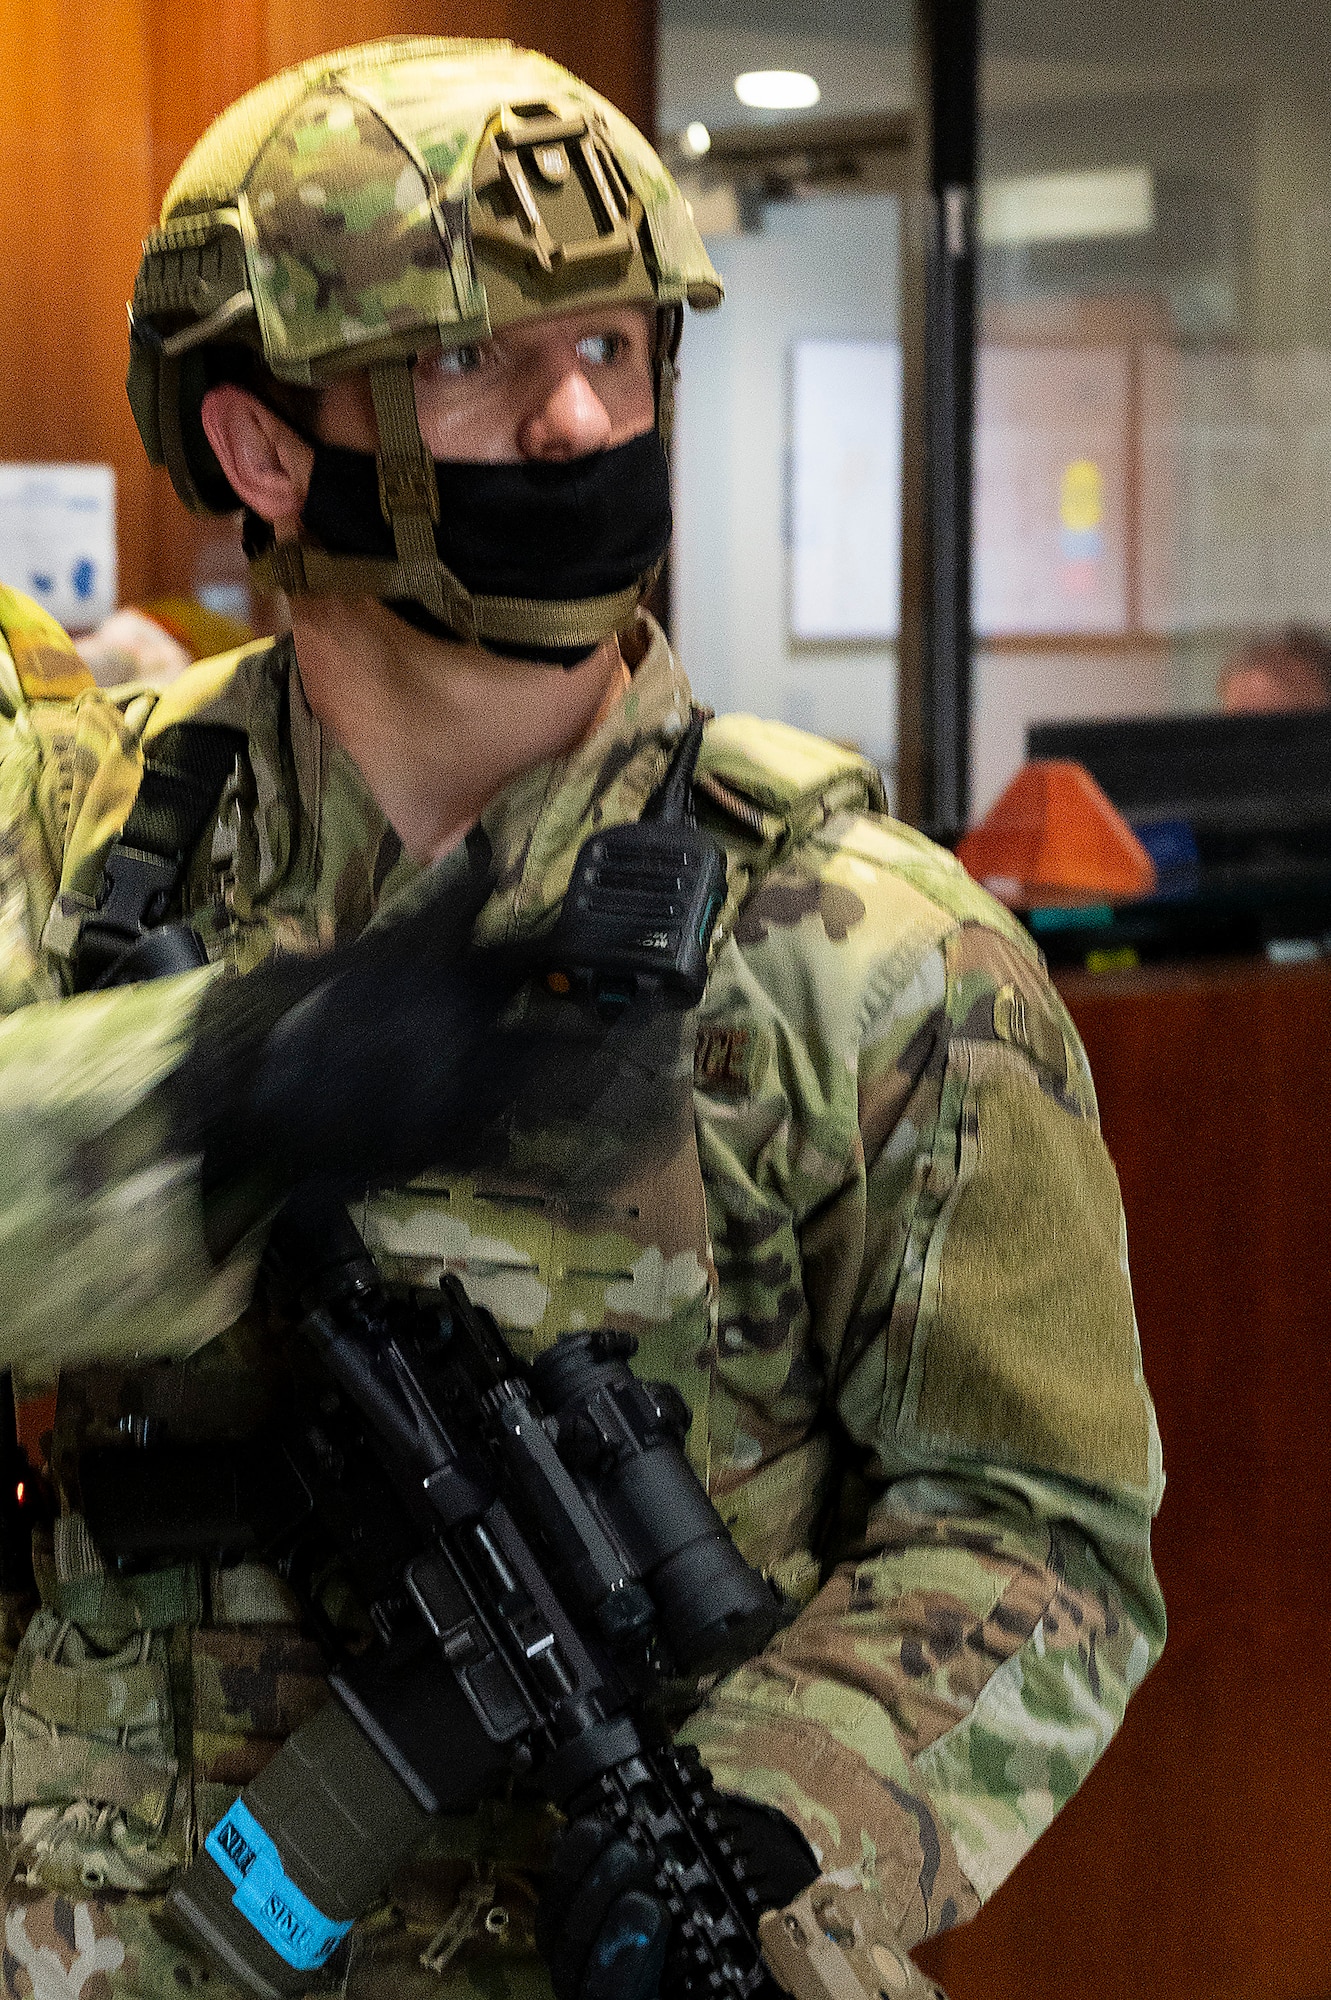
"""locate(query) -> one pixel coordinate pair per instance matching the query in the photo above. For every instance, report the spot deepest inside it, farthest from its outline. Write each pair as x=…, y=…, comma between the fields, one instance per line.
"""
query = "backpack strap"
x=770, y=787
x=184, y=770
x=41, y=663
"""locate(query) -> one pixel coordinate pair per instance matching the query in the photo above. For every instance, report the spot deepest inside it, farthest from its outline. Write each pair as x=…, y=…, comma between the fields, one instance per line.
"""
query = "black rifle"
x=537, y=1555
x=539, y=1559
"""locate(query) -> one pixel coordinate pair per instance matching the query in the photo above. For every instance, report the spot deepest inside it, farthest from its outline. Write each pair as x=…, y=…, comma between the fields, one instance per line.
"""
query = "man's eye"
x=598, y=350
x=461, y=360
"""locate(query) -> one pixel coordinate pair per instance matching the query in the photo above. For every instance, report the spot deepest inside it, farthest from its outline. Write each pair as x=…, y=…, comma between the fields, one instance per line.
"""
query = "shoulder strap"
x=773, y=778
x=772, y=786
x=45, y=665
x=184, y=770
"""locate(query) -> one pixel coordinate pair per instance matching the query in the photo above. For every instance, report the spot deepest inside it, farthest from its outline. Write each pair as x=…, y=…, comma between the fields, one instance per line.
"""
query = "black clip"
x=126, y=940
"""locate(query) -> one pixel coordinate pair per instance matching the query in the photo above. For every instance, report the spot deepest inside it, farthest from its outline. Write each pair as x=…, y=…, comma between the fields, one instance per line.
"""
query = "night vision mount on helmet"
x=374, y=205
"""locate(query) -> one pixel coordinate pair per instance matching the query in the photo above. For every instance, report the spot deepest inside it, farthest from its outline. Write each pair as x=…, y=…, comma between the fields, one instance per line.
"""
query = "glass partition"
x=785, y=592
x=1153, y=425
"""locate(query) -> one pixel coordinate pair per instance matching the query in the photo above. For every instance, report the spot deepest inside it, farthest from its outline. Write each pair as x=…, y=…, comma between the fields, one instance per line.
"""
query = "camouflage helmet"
x=364, y=208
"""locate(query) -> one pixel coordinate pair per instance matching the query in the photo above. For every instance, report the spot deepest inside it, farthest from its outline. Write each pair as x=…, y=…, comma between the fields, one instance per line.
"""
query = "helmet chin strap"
x=409, y=498
x=408, y=493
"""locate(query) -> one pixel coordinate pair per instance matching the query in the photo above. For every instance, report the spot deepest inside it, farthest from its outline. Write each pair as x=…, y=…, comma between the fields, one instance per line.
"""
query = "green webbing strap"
x=300, y=569
x=114, y=1606
x=408, y=493
x=669, y=329
x=409, y=497
x=145, y=865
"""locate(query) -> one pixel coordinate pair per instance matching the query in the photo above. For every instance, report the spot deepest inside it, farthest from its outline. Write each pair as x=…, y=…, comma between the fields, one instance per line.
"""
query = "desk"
x=1195, y=1864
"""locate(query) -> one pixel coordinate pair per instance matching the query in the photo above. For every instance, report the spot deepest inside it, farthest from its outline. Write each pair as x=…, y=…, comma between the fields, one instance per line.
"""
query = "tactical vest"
x=138, y=1705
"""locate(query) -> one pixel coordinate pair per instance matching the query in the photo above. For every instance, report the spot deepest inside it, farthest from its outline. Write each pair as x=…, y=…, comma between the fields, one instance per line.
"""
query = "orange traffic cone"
x=1055, y=833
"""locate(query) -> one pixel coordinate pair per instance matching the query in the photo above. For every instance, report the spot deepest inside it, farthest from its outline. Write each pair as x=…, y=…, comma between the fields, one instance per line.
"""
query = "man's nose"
x=570, y=422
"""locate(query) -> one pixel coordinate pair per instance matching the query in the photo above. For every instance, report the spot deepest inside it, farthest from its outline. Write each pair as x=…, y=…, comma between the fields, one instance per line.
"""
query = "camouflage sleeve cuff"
x=102, y=1249
x=870, y=1827
x=924, y=1719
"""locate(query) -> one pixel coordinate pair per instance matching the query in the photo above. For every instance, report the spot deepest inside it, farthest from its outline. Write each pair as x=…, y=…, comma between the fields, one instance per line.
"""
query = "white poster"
x=845, y=489
x=1051, y=474
x=58, y=538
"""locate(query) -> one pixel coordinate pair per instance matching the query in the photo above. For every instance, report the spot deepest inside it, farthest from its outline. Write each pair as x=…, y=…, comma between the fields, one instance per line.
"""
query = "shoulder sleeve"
x=989, y=1602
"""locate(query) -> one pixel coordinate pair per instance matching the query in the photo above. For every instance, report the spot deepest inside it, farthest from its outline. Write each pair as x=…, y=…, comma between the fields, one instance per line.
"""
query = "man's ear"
x=267, y=464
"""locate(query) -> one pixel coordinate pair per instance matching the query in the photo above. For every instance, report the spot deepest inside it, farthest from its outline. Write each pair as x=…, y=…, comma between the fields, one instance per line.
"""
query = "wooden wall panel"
x=611, y=45
x=100, y=100
x=298, y=29
x=75, y=186
x=1191, y=1862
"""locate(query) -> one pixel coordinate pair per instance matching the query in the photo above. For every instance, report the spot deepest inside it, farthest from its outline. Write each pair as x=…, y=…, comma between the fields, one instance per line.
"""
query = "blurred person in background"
x=1286, y=670
x=156, y=641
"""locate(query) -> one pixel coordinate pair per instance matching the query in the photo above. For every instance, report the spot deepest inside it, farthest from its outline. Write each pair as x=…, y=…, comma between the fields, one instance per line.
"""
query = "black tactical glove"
x=346, y=1064
x=410, y=1049
x=604, y=1932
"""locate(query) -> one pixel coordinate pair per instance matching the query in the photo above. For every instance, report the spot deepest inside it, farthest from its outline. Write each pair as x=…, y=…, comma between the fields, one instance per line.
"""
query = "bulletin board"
x=845, y=489
x=1051, y=498
x=1235, y=489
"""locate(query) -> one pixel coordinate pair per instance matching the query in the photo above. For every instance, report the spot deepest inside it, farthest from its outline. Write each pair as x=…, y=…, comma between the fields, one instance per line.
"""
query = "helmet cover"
x=364, y=208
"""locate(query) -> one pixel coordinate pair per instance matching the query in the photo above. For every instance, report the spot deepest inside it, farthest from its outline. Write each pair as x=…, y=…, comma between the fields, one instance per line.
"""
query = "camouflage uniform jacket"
x=903, y=1318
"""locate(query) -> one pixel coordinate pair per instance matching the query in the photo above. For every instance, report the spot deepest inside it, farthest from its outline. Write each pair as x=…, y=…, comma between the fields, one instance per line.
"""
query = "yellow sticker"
x=1081, y=499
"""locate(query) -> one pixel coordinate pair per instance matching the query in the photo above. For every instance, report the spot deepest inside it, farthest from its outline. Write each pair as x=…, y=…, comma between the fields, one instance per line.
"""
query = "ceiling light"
x=776, y=90
x=1068, y=208
x=697, y=139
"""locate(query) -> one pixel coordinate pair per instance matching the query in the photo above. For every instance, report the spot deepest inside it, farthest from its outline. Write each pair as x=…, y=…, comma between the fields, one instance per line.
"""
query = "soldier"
x=416, y=307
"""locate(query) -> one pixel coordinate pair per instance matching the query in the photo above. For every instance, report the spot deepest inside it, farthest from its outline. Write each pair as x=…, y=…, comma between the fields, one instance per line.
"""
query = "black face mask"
x=581, y=527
